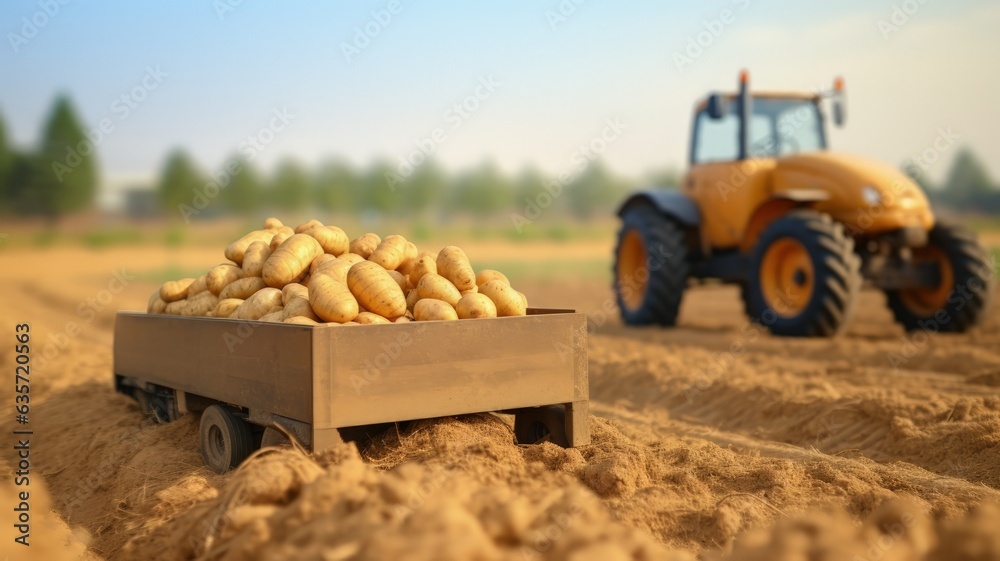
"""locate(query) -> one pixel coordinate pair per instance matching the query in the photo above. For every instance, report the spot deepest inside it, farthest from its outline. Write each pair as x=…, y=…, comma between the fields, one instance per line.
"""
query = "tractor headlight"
x=871, y=195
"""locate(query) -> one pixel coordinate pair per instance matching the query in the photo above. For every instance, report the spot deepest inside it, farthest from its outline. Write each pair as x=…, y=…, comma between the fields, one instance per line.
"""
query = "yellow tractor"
x=767, y=206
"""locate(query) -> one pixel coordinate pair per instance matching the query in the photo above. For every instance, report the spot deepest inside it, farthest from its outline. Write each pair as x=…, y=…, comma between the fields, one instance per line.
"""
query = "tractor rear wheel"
x=960, y=299
x=651, y=267
x=805, y=277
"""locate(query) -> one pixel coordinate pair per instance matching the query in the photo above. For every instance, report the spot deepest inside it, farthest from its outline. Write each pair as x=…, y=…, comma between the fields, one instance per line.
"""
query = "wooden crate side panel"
x=385, y=373
x=251, y=364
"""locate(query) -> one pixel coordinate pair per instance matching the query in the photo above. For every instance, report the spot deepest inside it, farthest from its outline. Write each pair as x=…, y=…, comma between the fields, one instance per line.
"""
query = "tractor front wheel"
x=805, y=277
x=964, y=289
x=651, y=268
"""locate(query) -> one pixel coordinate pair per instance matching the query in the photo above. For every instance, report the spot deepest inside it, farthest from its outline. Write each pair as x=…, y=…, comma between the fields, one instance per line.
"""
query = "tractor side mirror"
x=717, y=107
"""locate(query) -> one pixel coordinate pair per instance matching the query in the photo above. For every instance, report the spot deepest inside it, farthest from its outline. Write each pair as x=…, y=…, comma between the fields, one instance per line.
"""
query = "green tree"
x=6, y=165
x=595, y=191
x=378, y=194
x=244, y=192
x=337, y=187
x=67, y=178
x=290, y=186
x=484, y=191
x=425, y=186
x=968, y=179
x=180, y=180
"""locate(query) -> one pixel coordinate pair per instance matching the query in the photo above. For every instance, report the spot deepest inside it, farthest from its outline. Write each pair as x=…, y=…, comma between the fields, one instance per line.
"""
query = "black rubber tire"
x=541, y=424
x=667, y=266
x=836, y=283
x=974, y=280
x=225, y=440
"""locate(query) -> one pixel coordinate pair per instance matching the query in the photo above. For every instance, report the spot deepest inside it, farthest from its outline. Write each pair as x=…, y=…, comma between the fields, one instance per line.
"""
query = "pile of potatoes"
x=315, y=274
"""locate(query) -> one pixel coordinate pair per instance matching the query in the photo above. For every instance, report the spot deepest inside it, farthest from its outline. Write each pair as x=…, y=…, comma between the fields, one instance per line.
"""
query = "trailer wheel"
x=541, y=424
x=226, y=440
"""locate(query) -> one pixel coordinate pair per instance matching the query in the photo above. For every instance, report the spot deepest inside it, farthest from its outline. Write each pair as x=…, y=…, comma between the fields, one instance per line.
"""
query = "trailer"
x=257, y=383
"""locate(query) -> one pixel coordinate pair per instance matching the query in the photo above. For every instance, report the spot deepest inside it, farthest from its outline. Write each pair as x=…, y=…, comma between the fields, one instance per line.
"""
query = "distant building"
x=141, y=203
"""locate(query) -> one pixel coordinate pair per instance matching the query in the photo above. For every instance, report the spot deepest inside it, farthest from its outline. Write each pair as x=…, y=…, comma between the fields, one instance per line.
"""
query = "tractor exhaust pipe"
x=745, y=102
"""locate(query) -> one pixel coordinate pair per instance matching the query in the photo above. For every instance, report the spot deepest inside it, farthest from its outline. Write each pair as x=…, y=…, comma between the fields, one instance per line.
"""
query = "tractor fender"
x=780, y=203
x=671, y=203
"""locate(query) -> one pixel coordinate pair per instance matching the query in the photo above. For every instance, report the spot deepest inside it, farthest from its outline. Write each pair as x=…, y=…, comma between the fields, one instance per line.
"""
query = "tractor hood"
x=865, y=193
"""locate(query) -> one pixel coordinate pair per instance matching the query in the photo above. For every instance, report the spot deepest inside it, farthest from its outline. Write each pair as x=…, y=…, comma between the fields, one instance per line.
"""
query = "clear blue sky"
x=558, y=83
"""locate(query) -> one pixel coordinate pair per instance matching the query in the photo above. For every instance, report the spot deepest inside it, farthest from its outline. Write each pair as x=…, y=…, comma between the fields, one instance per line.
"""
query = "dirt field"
x=710, y=440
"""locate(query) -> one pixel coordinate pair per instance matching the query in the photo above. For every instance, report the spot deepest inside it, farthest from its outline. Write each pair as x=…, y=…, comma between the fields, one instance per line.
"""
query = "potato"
x=254, y=258
x=336, y=268
x=199, y=285
x=299, y=306
x=402, y=319
x=300, y=320
x=156, y=305
x=351, y=258
x=242, y=288
x=399, y=278
x=280, y=236
x=506, y=299
x=331, y=300
x=476, y=306
x=235, y=251
x=472, y=290
x=274, y=317
x=365, y=245
x=412, y=296
x=258, y=304
x=226, y=307
x=429, y=309
x=391, y=253
x=333, y=239
x=324, y=258
x=409, y=259
x=272, y=223
x=423, y=265
x=524, y=299
x=486, y=275
x=172, y=291
x=197, y=305
x=308, y=225
x=291, y=290
x=221, y=276
x=291, y=260
x=376, y=290
x=437, y=287
x=368, y=318
x=453, y=264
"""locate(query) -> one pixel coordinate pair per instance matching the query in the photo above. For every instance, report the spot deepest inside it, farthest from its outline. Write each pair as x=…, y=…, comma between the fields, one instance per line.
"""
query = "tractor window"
x=717, y=140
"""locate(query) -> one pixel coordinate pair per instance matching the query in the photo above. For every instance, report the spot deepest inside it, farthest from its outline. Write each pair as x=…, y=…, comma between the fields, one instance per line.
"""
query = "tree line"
x=60, y=175
x=338, y=186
